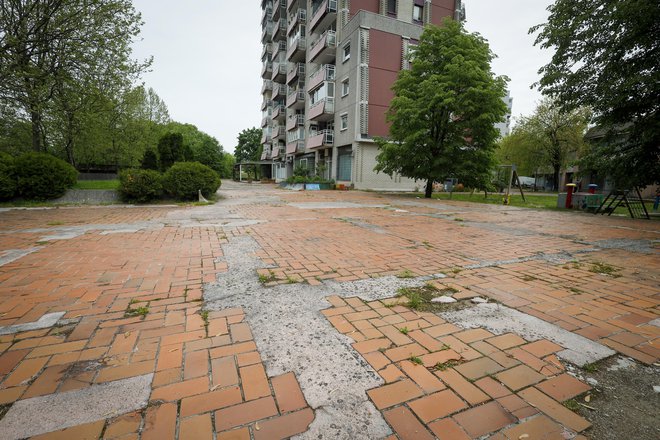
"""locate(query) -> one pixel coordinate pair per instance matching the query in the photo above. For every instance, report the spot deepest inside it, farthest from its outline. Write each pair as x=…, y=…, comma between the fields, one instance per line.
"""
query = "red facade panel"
x=384, y=65
x=364, y=5
x=441, y=9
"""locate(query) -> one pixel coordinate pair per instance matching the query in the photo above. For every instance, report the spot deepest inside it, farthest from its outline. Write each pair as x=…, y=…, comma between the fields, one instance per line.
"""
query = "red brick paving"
x=461, y=397
x=95, y=278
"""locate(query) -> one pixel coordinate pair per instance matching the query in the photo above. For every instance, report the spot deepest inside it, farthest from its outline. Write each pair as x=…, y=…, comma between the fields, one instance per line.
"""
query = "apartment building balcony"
x=279, y=112
x=279, y=47
x=277, y=149
x=297, y=48
x=295, y=147
x=296, y=71
x=279, y=10
x=296, y=98
x=324, y=14
x=295, y=121
x=266, y=153
x=267, y=32
x=278, y=132
x=267, y=70
x=324, y=49
x=323, y=110
x=323, y=138
x=279, y=90
x=290, y=3
x=325, y=73
x=267, y=11
x=266, y=52
x=279, y=72
x=268, y=85
x=298, y=16
x=279, y=29
x=266, y=136
x=265, y=103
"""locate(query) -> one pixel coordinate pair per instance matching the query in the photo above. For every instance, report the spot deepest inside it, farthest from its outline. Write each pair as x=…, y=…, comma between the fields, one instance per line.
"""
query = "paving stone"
x=196, y=428
x=519, y=377
x=395, y=393
x=437, y=405
x=540, y=427
x=563, y=387
x=554, y=410
x=484, y=419
x=406, y=425
x=245, y=413
x=284, y=426
x=288, y=394
x=479, y=368
x=447, y=429
x=462, y=387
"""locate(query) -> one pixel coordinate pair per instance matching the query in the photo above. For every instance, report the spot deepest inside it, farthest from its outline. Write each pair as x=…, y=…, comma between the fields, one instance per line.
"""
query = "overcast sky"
x=207, y=57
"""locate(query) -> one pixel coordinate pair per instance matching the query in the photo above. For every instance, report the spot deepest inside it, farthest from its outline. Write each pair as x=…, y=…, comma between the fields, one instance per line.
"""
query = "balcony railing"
x=323, y=138
x=279, y=71
x=327, y=41
x=279, y=29
x=295, y=147
x=295, y=121
x=278, y=112
x=322, y=110
x=267, y=33
x=296, y=70
x=278, y=48
x=325, y=73
x=265, y=103
x=278, y=5
x=266, y=153
x=268, y=85
x=325, y=10
x=278, y=89
x=296, y=96
x=275, y=151
x=298, y=17
x=267, y=11
x=297, y=49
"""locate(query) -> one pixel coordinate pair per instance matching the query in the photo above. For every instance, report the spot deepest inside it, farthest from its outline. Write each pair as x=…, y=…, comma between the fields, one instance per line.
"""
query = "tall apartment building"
x=328, y=68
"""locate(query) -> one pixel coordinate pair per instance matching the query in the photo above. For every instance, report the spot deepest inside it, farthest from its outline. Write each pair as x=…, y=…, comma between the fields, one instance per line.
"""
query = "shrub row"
x=182, y=181
x=35, y=176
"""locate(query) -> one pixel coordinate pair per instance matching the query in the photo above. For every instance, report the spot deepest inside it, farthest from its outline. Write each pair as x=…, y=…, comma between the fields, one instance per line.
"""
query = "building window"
x=344, y=121
x=391, y=7
x=418, y=13
x=345, y=88
x=346, y=52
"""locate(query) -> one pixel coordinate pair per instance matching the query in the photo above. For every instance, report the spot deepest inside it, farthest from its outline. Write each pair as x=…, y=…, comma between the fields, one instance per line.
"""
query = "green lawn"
x=97, y=184
x=532, y=201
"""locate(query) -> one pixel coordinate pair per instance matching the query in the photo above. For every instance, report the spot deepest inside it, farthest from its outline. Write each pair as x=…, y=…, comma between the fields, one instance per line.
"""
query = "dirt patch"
x=623, y=401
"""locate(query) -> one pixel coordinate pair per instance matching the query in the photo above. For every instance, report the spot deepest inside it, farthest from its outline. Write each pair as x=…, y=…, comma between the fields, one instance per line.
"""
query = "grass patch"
x=419, y=298
x=572, y=405
x=415, y=360
x=443, y=366
x=604, y=269
x=140, y=311
x=291, y=280
x=405, y=274
x=404, y=330
x=97, y=184
x=590, y=368
x=263, y=279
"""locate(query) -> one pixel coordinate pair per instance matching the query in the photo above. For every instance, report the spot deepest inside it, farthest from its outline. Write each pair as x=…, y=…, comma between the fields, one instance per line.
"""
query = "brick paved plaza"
x=138, y=292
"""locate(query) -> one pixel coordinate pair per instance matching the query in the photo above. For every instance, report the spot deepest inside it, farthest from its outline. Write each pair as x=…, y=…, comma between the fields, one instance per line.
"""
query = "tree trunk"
x=429, y=189
x=555, y=184
x=35, y=119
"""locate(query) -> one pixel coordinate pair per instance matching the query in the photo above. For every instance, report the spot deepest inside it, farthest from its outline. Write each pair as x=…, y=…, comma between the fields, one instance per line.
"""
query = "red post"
x=569, y=195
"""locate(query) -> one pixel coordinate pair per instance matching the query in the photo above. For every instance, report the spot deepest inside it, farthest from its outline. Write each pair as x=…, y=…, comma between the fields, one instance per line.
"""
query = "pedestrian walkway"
x=91, y=296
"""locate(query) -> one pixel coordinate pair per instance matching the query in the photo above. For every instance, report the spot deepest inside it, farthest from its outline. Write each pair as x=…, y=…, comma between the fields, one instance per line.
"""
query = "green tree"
x=607, y=57
x=551, y=137
x=444, y=110
x=249, y=145
x=150, y=160
x=47, y=44
x=520, y=149
x=171, y=150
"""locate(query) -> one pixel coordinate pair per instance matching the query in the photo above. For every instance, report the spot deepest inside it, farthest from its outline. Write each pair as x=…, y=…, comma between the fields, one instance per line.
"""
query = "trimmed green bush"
x=140, y=185
x=184, y=179
x=7, y=177
x=41, y=176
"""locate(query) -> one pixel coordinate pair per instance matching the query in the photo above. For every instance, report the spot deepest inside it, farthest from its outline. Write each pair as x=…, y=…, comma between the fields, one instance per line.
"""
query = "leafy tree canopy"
x=249, y=145
x=444, y=110
x=550, y=138
x=607, y=57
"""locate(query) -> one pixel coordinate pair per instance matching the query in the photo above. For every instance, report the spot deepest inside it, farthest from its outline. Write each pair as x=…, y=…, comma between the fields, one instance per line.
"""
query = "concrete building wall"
x=364, y=161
